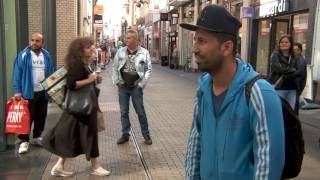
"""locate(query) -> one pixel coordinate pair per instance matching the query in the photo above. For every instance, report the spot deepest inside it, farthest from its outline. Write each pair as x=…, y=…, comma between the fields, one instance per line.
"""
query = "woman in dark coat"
x=76, y=134
x=283, y=71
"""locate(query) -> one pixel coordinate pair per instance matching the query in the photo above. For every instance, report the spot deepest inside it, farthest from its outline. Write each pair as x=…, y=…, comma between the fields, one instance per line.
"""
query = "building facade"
x=272, y=19
x=13, y=35
x=60, y=22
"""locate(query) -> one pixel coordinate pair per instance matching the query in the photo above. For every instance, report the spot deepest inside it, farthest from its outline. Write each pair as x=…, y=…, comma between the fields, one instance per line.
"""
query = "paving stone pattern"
x=168, y=102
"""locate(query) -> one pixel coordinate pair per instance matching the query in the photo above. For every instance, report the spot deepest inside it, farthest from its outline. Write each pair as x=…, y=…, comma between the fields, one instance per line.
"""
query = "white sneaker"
x=36, y=141
x=99, y=172
x=59, y=171
x=23, y=148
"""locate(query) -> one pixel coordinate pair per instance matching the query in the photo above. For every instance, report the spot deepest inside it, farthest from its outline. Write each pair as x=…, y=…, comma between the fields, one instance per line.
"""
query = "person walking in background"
x=32, y=65
x=113, y=49
x=175, y=58
x=317, y=98
x=130, y=72
x=120, y=45
x=232, y=136
x=301, y=73
x=283, y=71
x=76, y=134
x=93, y=64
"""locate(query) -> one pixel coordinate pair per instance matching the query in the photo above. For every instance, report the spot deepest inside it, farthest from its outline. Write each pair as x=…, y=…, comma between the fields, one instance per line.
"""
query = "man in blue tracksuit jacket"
x=32, y=65
x=232, y=137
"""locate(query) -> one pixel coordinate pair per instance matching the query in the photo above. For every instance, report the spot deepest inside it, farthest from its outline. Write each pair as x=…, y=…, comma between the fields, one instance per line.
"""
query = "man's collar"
x=38, y=54
x=132, y=53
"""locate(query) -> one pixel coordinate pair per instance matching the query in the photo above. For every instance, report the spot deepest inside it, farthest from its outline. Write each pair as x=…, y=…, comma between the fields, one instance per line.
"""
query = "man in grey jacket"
x=130, y=72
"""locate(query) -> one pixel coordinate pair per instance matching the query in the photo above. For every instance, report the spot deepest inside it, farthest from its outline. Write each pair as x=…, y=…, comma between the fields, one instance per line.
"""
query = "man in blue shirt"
x=232, y=137
x=32, y=65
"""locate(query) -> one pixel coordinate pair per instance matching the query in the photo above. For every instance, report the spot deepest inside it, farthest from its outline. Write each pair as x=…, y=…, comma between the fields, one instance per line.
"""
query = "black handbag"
x=80, y=101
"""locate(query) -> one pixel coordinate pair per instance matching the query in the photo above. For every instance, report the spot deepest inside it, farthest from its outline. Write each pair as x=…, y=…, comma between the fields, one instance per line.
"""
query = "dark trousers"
x=38, y=107
x=136, y=95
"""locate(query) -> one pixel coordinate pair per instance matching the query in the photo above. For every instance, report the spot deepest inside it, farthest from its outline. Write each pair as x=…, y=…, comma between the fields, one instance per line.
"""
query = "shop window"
x=263, y=46
x=300, y=29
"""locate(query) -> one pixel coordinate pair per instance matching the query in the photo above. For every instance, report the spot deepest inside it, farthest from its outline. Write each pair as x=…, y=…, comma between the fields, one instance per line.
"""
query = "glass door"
x=263, y=46
x=281, y=28
x=300, y=30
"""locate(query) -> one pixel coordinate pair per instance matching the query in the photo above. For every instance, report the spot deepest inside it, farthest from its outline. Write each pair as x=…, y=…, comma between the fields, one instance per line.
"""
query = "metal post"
x=245, y=34
x=132, y=13
x=49, y=28
x=195, y=18
x=22, y=24
x=180, y=35
x=92, y=21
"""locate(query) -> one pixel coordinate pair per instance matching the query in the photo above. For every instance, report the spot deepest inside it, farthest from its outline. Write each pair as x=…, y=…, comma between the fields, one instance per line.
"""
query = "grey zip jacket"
x=142, y=64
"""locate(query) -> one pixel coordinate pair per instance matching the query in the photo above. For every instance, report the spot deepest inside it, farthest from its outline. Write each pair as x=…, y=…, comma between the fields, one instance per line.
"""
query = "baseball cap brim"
x=190, y=27
x=193, y=27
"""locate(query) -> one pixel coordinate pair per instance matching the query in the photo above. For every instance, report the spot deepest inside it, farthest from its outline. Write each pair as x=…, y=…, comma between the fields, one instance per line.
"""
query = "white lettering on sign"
x=273, y=8
x=18, y=107
x=14, y=117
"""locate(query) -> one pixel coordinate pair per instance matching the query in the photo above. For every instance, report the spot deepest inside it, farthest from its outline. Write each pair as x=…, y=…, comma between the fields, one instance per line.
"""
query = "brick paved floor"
x=169, y=105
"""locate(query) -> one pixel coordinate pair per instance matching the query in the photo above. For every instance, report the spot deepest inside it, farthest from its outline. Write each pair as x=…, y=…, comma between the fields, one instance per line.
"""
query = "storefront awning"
x=178, y=3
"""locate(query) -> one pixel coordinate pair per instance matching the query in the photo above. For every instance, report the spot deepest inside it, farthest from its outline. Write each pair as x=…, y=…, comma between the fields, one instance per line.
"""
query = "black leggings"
x=38, y=107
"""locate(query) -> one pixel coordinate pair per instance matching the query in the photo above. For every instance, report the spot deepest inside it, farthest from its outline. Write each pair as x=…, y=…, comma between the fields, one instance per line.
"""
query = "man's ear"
x=227, y=48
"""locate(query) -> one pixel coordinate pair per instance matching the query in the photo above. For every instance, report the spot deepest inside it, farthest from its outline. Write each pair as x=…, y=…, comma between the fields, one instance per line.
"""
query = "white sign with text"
x=272, y=8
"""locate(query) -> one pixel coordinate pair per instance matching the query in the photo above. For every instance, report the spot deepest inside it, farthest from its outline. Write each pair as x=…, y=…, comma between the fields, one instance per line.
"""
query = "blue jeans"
x=137, y=101
x=290, y=96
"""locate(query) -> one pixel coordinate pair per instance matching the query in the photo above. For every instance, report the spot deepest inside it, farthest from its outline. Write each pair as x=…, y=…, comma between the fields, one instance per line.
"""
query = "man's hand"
x=18, y=96
x=136, y=83
x=120, y=84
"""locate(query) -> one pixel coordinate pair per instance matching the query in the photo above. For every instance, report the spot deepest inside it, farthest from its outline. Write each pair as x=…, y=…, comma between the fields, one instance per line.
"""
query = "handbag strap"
x=278, y=81
x=281, y=77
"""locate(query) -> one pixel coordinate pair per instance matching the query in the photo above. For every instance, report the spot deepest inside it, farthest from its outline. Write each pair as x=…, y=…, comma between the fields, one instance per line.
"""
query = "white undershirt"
x=38, y=70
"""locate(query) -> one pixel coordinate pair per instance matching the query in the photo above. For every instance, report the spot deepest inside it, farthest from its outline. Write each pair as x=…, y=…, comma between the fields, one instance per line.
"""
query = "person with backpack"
x=233, y=136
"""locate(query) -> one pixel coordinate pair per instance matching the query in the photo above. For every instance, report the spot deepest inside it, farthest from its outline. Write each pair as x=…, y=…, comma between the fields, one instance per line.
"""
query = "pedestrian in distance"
x=232, y=136
x=93, y=62
x=175, y=58
x=301, y=72
x=283, y=71
x=77, y=134
x=120, y=45
x=130, y=72
x=33, y=64
x=317, y=98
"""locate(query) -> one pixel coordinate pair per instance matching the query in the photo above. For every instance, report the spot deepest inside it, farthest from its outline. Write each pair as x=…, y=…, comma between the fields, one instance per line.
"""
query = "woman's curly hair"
x=75, y=52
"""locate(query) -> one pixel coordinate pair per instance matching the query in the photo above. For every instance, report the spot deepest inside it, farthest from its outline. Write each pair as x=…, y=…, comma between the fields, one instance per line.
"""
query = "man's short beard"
x=201, y=67
x=218, y=64
x=215, y=67
x=37, y=50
